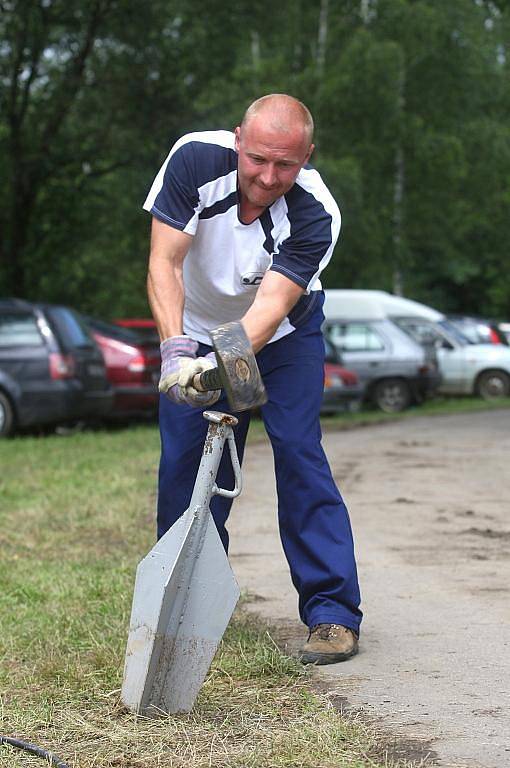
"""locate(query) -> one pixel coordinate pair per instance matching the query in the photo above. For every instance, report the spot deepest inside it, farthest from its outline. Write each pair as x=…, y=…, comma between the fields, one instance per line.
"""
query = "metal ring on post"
x=238, y=484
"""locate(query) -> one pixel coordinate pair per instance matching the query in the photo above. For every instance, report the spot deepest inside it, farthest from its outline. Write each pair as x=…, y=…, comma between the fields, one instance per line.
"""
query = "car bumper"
x=135, y=399
x=62, y=401
x=341, y=398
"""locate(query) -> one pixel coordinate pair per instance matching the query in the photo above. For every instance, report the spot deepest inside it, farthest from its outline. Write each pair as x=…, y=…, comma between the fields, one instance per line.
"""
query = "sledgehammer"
x=237, y=372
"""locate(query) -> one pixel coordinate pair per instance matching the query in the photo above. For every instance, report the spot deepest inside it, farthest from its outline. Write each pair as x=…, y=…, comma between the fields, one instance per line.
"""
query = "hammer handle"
x=207, y=380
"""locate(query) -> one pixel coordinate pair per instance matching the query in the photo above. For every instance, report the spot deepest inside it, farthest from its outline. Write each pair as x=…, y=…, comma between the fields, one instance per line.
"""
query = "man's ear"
x=237, y=134
x=309, y=154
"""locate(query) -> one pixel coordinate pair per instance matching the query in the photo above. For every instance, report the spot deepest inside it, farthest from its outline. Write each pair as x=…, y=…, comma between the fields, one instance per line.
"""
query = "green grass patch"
x=438, y=406
x=76, y=515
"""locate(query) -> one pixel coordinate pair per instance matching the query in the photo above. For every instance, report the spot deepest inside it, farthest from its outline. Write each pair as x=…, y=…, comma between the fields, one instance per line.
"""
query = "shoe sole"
x=326, y=658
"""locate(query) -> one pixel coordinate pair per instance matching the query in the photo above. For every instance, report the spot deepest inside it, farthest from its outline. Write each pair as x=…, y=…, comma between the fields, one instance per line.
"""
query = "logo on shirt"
x=250, y=279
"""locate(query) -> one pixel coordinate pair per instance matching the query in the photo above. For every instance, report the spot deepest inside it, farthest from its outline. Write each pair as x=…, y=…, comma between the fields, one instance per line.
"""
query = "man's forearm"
x=165, y=290
x=261, y=326
x=275, y=298
x=165, y=287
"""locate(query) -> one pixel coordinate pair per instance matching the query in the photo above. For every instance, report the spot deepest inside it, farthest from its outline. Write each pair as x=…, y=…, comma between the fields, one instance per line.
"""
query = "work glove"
x=178, y=367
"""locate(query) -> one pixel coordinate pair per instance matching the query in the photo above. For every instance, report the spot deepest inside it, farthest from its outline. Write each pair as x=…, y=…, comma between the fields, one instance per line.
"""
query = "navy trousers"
x=314, y=523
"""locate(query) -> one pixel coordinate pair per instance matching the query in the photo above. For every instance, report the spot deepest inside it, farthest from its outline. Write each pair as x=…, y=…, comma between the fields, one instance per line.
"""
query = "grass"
x=76, y=514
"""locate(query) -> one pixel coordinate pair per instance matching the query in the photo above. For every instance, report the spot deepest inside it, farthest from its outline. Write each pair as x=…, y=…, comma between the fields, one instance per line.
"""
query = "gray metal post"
x=185, y=593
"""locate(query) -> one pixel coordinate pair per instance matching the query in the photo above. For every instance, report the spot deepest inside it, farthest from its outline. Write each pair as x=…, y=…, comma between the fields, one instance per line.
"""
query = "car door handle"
x=373, y=364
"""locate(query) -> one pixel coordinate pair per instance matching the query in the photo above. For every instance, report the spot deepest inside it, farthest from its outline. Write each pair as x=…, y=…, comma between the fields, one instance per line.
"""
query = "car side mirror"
x=444, y=344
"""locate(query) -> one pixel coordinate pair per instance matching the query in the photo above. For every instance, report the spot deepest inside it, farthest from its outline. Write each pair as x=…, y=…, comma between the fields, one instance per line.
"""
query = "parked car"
x=143, y=326
x=394, y=369
x=342, y=388
x=505, y=330
x=51, y=370
x=466, y=368
x=479, y=331
x=132, y=366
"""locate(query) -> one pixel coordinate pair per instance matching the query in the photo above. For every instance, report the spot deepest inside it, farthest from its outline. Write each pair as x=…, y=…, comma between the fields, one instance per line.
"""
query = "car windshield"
x=71, y=328
x=430, y=333
x=421, y=330
x=117, y=332
x=454, y=332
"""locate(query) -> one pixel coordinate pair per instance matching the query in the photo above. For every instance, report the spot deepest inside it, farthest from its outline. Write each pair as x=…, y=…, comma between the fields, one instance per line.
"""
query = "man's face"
x=269, y=160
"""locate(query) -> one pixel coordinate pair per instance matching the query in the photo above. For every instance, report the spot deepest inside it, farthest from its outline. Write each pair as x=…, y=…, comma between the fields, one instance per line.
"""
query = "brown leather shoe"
x=328, y=644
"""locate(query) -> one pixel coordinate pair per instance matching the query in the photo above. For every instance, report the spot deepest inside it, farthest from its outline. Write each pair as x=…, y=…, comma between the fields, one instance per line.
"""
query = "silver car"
x=466, y=368
x=394, y=369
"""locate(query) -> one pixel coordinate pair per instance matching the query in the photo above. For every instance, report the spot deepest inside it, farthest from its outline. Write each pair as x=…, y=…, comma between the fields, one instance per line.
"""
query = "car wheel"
x=6, y=416
x=392, y=395
x=492, y=385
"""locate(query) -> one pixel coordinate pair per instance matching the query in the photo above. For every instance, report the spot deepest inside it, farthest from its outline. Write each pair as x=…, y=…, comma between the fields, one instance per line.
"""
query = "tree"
x=411, y=100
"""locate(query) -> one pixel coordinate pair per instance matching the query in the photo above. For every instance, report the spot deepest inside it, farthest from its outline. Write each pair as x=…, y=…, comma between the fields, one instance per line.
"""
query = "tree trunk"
x=398, y=195
x=322, y=37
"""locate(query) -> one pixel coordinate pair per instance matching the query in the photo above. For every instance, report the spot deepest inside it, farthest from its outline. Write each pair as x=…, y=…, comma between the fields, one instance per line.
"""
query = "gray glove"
x=179, y=365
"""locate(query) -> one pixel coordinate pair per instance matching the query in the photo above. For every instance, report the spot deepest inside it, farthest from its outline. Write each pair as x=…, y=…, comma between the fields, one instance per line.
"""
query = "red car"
x=145, y=328
x=132, y=367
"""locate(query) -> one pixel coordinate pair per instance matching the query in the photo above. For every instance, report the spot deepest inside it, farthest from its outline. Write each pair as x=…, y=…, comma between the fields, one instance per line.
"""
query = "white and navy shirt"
x=196, y=191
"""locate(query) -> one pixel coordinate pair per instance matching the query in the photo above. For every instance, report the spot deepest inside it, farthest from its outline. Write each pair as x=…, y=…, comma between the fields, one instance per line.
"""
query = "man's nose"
x=268, y=175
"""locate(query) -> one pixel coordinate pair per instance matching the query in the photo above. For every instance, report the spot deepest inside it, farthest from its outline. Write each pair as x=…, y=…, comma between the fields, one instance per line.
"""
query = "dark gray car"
x=51, y=370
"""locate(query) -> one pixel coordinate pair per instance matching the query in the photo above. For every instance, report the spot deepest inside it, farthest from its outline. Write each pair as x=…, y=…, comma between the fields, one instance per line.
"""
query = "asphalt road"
x=429, y=500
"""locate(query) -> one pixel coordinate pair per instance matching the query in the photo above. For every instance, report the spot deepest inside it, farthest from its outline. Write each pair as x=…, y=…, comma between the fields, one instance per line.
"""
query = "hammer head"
x=238, y=368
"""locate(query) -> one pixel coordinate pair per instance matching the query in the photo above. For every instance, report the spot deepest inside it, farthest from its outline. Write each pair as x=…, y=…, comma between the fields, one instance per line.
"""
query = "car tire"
x=493, y=385
x=6, y=416
x=392, y=395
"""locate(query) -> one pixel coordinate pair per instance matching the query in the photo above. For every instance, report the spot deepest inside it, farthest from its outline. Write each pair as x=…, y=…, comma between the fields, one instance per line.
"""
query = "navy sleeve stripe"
x=301, y=253
x=221, y=206
x=166, y=219
x=189, y=168
x=210, y=161
x=266, y=223
x=291, y=275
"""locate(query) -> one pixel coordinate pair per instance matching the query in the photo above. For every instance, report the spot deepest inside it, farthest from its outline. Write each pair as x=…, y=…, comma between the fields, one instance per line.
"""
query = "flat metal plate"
x=185, y=594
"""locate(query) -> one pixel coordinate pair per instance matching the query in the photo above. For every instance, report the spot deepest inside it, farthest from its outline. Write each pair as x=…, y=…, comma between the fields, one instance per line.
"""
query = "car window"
x=71, y=329
x=331, y=354
x=355, y=337
x=422, y=331
x=147, y=334
x=118, y=332
x=459, y=337
x=19, y=330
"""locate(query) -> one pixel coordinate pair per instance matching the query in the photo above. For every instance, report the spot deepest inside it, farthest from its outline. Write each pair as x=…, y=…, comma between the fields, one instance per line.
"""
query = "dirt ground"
x=429, y=500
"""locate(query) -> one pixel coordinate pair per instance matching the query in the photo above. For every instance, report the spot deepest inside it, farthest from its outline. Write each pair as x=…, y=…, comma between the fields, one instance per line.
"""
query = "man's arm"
x=275, y=298
x=165, y=286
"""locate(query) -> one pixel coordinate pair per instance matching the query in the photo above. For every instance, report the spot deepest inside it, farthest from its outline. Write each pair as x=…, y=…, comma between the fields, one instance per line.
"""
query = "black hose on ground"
x=53, y=759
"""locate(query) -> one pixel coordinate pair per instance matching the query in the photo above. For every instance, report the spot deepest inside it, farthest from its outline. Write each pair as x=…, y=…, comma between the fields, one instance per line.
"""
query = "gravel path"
x=429, y=500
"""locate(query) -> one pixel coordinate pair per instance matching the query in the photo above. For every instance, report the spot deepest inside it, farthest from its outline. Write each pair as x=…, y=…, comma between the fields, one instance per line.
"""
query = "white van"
x=465, y=368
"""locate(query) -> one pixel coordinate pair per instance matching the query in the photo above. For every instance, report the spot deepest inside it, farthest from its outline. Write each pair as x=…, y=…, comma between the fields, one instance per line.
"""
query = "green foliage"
x=411, y=100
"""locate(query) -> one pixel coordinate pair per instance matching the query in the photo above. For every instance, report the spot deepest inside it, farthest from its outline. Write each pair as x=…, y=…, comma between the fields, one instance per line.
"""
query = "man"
x=241, y=229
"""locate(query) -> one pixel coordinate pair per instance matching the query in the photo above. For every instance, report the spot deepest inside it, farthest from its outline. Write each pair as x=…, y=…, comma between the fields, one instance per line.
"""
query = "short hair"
x=285, y=109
